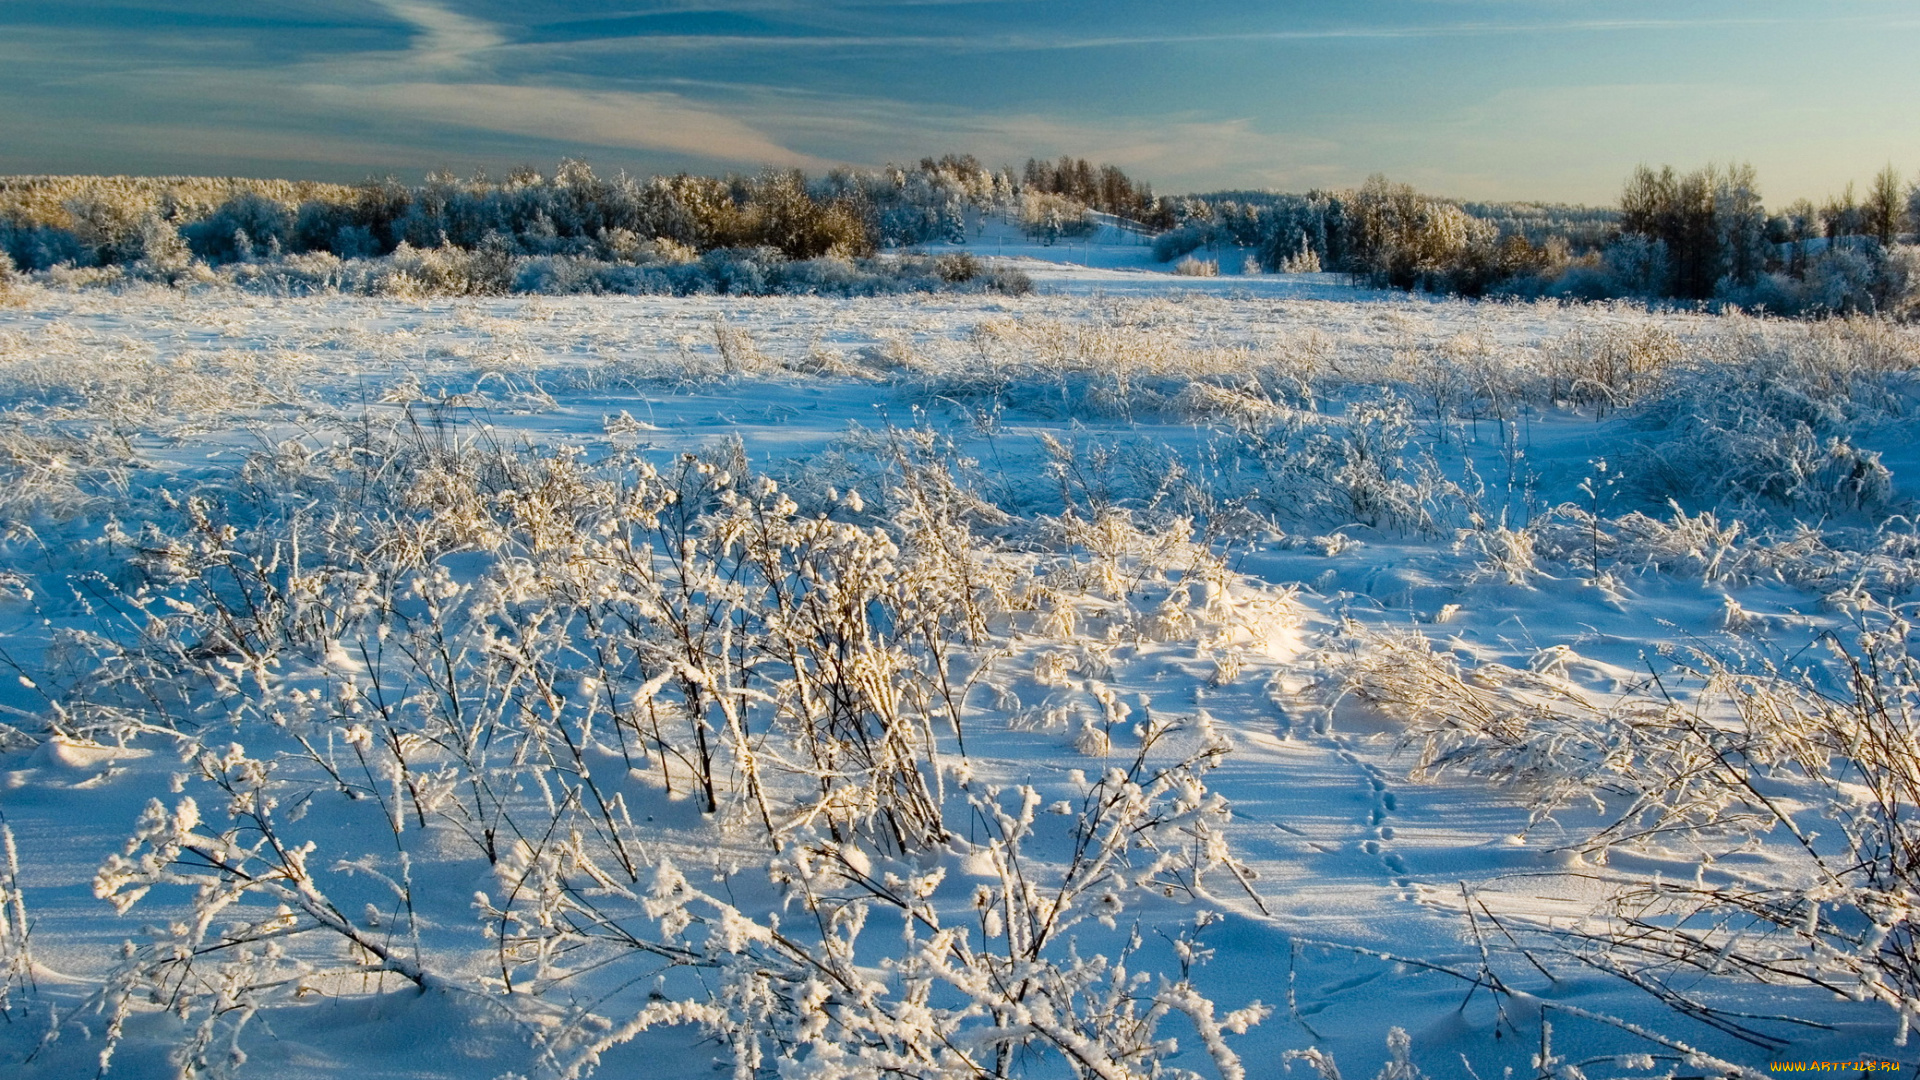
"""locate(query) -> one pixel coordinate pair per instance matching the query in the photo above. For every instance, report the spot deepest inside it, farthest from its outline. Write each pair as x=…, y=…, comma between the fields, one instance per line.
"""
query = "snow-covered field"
x=1217, y=675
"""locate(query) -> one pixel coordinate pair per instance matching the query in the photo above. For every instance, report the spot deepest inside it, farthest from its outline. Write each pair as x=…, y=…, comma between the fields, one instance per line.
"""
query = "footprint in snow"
x=1384, y=803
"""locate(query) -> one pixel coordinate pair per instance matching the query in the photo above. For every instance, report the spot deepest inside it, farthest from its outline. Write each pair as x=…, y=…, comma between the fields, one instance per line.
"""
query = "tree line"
x=1105, y=188
x=104, y=221
x=1699, y=236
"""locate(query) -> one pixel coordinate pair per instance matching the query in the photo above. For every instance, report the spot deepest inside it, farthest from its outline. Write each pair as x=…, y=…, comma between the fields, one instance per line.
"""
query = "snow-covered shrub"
x=247, y=227
x=448, y=270
x=624, y=245
x=485, y=649
x=164, y=253
x=1513, y=726
x=1701, y=762
x=1694, y=545
x=50, y=474
x=1174, y=243
x=956, y=267
x=1192, y=267
x=1753, y=455
x=1844, y=920
x=258, y=903
x=1354, y=468
x=106, y=223
x=1508, y=554
x=40, y=247
x=839, y=275
x=335, y=228
x=836, y=633
x=1901, y=277
x=1839, y=280
x=492, y=269
x=1772, y=418
x=1009, y=281
x=1635, y=265
x=1612, y=367
x=307, y=275
x=742, y=270
x=983, y=971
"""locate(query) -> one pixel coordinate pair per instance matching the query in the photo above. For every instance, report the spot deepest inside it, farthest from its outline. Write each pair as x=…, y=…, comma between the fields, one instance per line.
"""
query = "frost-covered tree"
x=1403, y=238
x=1681, y=212
x=1106, y=188
x=1741, y=221
x=1883, y=211
x=1795, y=228
x=1842, y=215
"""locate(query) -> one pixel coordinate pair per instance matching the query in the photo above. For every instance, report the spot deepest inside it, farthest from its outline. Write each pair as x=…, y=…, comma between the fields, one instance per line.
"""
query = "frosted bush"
x=1707, y=774
x=1771, y=423
x=1355, y=468
x=1176, y=242
x=802, y=677
x=1611, y=367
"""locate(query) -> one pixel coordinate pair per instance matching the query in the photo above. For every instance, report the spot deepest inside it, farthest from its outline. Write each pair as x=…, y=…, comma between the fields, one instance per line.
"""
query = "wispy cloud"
x=425, y=84
x=1175, y=149
x=634, y=121
x=444, y=38
x=1406, y=32
x=1052, y=42
x=1230, y=94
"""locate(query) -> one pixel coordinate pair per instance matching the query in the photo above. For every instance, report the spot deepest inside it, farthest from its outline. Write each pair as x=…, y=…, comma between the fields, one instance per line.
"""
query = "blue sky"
x=1550, y=99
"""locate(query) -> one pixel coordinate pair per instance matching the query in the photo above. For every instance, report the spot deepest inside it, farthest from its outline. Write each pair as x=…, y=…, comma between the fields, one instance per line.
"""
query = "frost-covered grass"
x=1110, y=686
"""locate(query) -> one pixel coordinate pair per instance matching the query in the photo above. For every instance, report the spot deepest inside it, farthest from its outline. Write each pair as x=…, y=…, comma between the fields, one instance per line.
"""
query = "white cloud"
x=636, y=121
x=990, y=41
x=444, y=78
x=1177, y=152
x=445, y=38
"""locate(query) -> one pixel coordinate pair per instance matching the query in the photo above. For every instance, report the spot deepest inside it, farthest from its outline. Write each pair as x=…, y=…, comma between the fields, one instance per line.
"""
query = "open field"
x=1213, y=675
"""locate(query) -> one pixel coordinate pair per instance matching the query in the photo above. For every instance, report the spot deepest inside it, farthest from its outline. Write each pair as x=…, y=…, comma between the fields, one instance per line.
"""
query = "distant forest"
x=1702, y=236
x=1695, y=237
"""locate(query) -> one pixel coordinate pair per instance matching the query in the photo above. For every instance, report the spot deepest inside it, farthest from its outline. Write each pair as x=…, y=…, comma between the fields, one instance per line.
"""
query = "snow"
x=1355, y=889
x=1116, y=261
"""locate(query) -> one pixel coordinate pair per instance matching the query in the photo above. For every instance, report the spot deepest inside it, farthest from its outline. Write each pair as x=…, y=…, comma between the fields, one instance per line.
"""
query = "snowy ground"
x=1117, y=261
x=1216, y=509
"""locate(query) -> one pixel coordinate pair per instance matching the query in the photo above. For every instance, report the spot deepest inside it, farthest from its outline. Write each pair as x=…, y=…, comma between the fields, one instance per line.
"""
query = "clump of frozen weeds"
x=484, y=655
x=1698, y=763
